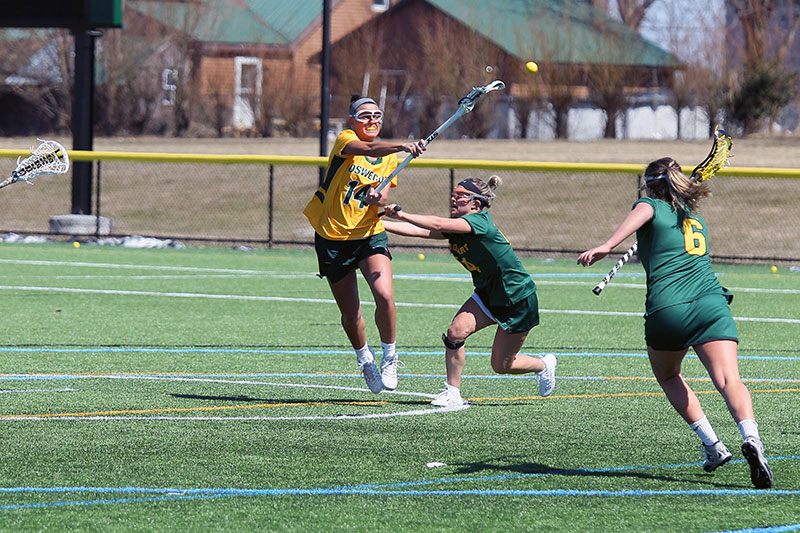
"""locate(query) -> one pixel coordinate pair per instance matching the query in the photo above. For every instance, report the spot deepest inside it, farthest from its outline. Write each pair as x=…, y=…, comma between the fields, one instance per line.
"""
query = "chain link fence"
x=753, y=215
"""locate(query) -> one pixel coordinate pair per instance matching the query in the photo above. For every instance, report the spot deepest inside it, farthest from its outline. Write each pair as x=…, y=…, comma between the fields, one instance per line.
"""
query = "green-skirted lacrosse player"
x=687, y=307
x=504, y=293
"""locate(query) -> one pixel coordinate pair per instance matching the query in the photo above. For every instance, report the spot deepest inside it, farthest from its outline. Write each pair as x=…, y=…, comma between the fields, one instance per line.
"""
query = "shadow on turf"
x=305, y=401
x=537, y=468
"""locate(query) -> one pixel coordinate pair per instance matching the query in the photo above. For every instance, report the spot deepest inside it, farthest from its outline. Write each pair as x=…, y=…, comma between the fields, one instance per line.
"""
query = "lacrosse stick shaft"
x=447, y=123
x=8, y=181
x=613, y=272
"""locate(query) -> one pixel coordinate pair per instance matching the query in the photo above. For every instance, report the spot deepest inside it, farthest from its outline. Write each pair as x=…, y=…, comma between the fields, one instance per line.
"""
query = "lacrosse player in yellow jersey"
x=349, y=235
x=687, y=307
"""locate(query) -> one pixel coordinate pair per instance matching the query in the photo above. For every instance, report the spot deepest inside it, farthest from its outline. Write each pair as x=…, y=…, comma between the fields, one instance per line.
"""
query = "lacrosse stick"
x=716, y=160
x=465, y=105
x=48, y=158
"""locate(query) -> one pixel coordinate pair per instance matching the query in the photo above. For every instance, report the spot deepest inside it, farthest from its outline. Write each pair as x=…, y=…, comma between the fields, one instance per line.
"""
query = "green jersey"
x=673, y=249
x=497, y=273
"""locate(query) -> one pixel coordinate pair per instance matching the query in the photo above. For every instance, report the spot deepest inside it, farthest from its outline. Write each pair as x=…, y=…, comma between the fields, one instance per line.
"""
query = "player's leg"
x=514, y=323
x=377, y=270
x=345, y=292
x=506, y=358
x=720, y=359
x=469, y=319
x=666, y=365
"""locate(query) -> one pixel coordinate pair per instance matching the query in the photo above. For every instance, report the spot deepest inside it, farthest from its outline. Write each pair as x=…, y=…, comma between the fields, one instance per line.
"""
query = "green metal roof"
x=270, y=22
x=557, y=31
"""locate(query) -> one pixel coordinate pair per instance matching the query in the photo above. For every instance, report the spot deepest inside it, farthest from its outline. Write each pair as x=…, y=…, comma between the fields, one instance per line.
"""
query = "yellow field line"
x=358, y=403
x=189, y=409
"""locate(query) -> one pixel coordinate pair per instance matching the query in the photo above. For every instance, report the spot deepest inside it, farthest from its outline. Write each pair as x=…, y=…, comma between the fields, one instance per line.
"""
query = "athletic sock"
x=704, y=430
x=388, y=349
x=749, y=428
x=363, y=355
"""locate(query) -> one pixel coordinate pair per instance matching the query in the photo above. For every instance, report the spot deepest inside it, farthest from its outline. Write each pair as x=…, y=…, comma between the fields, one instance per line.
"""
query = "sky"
x=675, y=25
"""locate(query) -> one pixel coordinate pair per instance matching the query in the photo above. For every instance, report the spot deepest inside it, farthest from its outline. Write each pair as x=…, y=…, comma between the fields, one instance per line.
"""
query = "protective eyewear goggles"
x=367, y=115
x=462, y=193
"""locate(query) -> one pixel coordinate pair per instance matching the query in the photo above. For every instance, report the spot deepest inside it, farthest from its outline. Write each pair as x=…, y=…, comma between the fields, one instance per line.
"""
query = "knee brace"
x=450, y=344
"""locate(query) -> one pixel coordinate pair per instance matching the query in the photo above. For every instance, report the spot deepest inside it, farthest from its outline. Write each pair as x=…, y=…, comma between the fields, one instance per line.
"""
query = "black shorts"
x=337, y=258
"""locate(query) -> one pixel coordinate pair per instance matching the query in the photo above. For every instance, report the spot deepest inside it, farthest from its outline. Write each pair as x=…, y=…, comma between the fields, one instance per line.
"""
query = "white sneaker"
x=714, y=455
x=760, y=474
x=449, y=397
x=371, y=374
x=389, y=366
x=547, y=377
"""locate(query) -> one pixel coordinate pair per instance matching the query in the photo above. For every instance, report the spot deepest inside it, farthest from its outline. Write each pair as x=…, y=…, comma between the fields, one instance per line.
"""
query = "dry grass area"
x=536, y=210
x=782, y=152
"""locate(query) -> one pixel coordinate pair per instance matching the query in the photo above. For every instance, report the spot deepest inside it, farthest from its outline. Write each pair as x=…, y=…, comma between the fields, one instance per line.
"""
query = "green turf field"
x=214, y=390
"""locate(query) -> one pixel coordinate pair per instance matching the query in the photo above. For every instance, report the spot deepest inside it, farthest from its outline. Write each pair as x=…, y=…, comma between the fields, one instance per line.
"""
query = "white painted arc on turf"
x=328, y=301
x=248, y=382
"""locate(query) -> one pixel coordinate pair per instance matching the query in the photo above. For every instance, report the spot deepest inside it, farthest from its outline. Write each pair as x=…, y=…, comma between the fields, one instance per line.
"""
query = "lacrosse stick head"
x=717, y=158
x=468, y=102
x=50, y=157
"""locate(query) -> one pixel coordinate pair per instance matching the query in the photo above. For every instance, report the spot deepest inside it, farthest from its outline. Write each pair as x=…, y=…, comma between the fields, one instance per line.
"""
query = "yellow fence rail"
x=543, y=207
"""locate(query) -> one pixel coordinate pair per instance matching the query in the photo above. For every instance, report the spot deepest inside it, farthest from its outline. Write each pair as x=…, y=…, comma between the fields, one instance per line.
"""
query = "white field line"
x=273, y=384
x=311, y=275
x=246, y=297
x=414, y=412
x=20, y=391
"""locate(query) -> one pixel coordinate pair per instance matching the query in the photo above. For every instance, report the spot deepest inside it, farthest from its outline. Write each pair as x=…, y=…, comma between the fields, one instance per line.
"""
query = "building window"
x=169, y=86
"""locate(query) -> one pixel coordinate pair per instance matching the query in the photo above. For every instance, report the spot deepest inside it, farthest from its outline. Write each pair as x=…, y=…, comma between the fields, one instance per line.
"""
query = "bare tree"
x=766, y=86
x=607, y=91
x=451, y=53
x=632, y=12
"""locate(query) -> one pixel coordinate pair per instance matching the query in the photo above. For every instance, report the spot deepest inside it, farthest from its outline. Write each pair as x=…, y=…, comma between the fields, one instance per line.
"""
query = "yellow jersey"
x=337, y=210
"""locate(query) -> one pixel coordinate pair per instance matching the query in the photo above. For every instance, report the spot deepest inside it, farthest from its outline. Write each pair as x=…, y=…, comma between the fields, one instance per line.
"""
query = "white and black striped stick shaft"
x=624, y=259
x=465, y=105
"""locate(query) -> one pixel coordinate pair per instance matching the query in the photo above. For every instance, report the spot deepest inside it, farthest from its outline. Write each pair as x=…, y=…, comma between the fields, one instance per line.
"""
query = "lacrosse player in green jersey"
x=504, y=292
x=687, y=307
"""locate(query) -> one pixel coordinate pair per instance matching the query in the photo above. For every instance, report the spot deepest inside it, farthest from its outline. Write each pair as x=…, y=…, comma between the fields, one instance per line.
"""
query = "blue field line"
x=538, y=275
x=393, y=489
x=504, y=377
x=5, y=349
x=768, y=529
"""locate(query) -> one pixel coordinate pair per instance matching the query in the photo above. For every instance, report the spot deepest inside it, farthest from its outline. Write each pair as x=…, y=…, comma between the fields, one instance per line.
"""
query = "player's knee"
x=448, y=341
x=351, y=320
x=503, y=365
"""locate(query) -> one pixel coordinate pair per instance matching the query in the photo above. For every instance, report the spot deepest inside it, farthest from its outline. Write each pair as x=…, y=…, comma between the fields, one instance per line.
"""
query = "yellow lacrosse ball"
x=531, y=66
x=773, y=268
x=76, y=244
x=421, y=256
